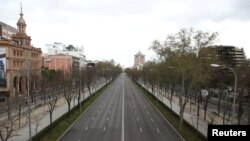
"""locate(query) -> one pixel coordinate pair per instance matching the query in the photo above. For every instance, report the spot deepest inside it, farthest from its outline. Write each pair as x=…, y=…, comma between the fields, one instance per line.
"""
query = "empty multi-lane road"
x=121, y=113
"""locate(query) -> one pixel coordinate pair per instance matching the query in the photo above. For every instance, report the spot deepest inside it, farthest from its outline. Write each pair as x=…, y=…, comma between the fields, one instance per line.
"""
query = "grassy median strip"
x=188, y=132
x=59, y=126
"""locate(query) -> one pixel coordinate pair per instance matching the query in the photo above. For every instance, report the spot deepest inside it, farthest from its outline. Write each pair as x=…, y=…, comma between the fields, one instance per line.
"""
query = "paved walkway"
x=41, y=116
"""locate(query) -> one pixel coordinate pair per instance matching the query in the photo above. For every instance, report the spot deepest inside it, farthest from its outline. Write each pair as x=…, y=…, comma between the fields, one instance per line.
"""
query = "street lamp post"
x=47, y=61
x=28, y=90
x=235, y=85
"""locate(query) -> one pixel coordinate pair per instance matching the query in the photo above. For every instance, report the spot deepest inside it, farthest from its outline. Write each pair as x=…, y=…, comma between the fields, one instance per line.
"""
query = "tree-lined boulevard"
x=106, y=121
x=189, y=78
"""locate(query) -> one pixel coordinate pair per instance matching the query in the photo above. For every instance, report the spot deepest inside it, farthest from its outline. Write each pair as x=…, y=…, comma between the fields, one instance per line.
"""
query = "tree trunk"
x=171, y=97
x=68, y=106
x=50, y=115
x=89, y=90
x=19, y=115
x=248, y=107
x=219, y=101
x=181, y=112
x=181, y=118
x=240, y=109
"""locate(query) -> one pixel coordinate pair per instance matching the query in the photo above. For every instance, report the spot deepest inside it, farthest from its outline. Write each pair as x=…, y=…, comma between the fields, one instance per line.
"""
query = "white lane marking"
x=122, y=136
x=135, y=111
x=152, y=120
x=107, y=118
x=158, y=131
x=140, y=129
x=79, y=140
x=86, y=128
x=109, y=111
x=144, y=107
x=104, y=129
x=138, y=119
x=93, y=118
x=147, y=112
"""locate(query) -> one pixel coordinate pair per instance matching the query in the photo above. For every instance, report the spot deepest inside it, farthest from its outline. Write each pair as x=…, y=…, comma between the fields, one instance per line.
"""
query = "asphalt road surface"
x=121, y=113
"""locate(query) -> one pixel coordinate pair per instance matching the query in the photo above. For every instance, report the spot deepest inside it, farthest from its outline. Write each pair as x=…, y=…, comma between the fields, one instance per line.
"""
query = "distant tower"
x=21, y=36
x=139, y=60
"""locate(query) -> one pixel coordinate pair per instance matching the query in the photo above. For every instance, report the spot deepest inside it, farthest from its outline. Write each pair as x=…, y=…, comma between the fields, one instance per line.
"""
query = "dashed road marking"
x=158, y=131
x=107, y=118
x=152, y=120
x=140, y=129
x=104, y=129
x=135, y=111
x=86, y=128
x=93, y=118
x=147, y=112
x=137, y=119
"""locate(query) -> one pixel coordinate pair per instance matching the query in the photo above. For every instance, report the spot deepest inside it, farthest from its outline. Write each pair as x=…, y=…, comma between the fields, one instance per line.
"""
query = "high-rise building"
x=230, y=55
x=6, y=31
x=139, y=60
x=19, y=63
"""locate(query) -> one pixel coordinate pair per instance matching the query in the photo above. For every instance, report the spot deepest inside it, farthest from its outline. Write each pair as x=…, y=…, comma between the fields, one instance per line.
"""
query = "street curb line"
x=80, y=116
x=162, y=115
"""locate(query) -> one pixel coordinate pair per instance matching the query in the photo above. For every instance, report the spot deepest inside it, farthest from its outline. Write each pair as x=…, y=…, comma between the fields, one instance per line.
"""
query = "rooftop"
x=139, y=54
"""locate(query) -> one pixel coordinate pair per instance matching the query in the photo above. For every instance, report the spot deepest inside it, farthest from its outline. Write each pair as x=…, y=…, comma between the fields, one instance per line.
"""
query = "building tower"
x=21, y=36
x=139, y=60
x=21, y=63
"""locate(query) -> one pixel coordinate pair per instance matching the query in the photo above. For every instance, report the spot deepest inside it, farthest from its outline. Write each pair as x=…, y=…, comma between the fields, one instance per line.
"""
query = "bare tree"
x=68, y=94
x=226, y=110
x=8, y=128
x=37, y=124
x=51, y=100
x=90, y=78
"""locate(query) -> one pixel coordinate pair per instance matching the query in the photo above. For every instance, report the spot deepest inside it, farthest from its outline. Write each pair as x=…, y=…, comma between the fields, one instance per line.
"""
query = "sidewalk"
x=191, y=119
x=40, y=116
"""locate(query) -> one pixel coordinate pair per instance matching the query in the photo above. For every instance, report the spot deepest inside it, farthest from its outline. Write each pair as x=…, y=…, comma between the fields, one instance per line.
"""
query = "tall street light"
x=28, y=63
x=48, y=61
x=235, y=85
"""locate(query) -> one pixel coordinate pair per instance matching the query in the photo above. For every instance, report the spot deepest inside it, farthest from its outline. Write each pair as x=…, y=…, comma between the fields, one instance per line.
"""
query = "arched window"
x=15, y=82
x=20, y=84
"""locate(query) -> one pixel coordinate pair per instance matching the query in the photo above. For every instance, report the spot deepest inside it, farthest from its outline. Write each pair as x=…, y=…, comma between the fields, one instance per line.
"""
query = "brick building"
x=66, y=63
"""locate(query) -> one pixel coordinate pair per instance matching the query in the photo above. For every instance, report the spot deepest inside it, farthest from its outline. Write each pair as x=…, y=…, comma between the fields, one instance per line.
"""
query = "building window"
x=14, y=62
x=15, y=82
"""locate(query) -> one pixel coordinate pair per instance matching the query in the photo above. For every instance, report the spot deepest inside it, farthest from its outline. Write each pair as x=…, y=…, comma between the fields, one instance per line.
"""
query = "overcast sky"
x=118, y=29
